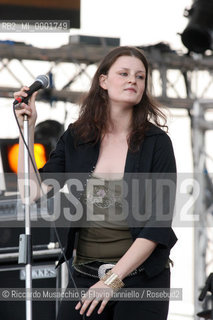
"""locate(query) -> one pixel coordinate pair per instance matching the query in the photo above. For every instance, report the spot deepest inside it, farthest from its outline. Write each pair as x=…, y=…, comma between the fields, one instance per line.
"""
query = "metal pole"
x=200, y=238
x=28, y=267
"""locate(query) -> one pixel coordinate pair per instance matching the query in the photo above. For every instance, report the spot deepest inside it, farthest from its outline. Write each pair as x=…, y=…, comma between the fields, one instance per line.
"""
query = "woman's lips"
x=130, y=89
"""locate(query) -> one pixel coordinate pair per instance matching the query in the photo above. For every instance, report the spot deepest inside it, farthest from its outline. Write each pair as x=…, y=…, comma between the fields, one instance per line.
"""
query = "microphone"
x=41, y=82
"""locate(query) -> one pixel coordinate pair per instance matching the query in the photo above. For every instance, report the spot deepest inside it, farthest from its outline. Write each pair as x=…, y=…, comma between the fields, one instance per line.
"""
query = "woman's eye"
x=124, y=74
x=140, y=77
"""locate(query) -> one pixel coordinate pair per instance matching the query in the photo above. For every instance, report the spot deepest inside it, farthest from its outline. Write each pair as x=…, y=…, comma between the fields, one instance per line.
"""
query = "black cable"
x=39, y=182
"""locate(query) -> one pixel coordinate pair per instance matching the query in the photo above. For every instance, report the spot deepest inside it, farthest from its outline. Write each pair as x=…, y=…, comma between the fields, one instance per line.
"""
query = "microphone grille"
x=44, y=80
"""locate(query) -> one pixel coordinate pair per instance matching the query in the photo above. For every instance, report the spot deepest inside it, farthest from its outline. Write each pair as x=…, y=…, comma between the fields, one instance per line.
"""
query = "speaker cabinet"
x=44, y=276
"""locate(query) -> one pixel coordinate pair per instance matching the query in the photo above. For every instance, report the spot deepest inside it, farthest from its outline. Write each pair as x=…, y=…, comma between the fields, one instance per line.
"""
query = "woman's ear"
x=102, y=81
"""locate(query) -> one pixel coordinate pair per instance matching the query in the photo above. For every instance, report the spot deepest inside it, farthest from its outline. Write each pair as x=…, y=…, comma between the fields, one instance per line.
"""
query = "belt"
x=97, y=269
x=98, y=272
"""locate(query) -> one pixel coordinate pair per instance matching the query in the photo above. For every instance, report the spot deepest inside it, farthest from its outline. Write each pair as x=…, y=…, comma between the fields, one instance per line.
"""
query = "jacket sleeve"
x=163, y=177
x=56, y=162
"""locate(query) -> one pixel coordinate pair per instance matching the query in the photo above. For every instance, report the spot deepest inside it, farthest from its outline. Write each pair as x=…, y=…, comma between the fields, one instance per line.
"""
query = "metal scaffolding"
x=177, y=81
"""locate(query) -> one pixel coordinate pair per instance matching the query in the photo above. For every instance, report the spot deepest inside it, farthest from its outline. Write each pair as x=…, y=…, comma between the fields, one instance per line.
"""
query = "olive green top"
x=108, y=237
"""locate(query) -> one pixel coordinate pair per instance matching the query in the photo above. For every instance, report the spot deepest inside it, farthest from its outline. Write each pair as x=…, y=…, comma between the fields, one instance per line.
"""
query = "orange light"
x=40, y=155
x=39, y=151
x=13, y=157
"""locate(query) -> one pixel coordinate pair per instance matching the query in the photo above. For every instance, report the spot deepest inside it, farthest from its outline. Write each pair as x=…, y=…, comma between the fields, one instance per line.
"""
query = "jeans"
x=124, y=309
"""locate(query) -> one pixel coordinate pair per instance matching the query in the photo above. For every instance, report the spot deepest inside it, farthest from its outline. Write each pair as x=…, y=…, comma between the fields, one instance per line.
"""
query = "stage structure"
x=180, y=81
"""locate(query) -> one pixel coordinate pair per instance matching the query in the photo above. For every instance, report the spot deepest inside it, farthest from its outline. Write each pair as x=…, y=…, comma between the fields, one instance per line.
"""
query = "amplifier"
x=9, y=237
x=11, y=227
x=44, y=275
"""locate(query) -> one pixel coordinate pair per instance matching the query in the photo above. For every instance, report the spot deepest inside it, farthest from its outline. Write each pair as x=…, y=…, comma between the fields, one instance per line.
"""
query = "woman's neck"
x=120, y=121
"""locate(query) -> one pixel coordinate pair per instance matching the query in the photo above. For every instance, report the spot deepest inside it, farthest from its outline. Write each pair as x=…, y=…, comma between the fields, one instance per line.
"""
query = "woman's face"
x=125, y=81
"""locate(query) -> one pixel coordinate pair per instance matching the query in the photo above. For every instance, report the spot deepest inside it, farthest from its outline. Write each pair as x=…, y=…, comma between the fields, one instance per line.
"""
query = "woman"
x=112, y=139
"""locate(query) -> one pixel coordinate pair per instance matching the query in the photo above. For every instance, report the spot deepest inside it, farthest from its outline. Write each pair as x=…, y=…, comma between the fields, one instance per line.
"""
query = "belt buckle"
x=102, y=269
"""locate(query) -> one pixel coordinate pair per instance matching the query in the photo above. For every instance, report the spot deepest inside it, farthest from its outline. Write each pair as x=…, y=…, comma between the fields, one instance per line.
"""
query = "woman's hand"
x=98, y=292
x=28, y=109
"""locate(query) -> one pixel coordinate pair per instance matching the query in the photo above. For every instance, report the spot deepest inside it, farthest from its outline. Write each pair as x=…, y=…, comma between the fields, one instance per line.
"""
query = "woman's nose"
x=131, y=79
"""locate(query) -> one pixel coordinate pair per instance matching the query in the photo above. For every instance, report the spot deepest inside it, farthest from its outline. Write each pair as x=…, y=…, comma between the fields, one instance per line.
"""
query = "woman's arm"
x=29, y=110
x=139, y=251
x=152, y=234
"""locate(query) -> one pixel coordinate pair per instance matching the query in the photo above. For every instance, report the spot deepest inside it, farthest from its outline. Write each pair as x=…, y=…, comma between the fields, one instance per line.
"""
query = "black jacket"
x=155, y=157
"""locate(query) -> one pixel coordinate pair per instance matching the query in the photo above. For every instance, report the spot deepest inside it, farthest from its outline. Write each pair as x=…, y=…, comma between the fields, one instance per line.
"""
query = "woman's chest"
x=112, y=158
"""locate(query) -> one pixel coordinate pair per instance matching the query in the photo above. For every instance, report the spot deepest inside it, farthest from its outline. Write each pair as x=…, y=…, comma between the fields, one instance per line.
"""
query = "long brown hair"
x=93, y=119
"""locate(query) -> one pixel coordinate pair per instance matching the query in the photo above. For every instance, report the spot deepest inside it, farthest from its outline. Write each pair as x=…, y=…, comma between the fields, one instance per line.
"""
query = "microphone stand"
x=25, y=245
